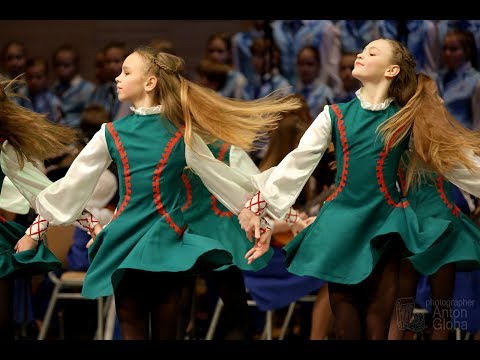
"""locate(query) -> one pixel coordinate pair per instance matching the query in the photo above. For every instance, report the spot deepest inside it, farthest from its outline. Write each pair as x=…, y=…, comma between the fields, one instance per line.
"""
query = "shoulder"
x=342, y=107
x=122, y=122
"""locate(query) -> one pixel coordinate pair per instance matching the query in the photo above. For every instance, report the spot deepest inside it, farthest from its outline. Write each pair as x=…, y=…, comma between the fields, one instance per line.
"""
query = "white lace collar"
x=369, y=106
x=146, y=111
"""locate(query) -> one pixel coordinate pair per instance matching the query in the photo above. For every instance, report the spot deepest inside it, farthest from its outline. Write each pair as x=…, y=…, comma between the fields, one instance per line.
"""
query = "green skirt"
x=25, y=263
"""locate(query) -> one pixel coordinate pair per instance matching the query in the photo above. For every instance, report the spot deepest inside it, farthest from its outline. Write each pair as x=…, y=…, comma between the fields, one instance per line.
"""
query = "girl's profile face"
x=131, y=81
x=373, y=61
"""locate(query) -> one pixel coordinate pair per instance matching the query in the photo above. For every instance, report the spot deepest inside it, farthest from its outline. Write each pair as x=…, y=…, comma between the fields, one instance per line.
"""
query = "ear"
x=392, y=71
x=150, y=83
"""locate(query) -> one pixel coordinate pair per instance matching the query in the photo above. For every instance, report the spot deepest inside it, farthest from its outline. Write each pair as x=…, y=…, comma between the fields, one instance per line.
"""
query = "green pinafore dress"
x=365, y=215
x=206, y=216
x=148, y=231
x=25, y=263
x=460, y=243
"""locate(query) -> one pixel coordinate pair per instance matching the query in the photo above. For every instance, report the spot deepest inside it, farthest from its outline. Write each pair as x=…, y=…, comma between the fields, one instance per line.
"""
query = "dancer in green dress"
x=28, y=136
x=457, y=250
x=363, y=227
x=207, y=216
x=144, y=253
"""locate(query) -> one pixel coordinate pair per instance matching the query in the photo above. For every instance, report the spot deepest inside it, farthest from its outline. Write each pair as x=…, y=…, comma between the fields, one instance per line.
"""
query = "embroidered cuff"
x=87, y=220
x=291, y=217
x=256, y=204
x=38, y=228
x=265, y=225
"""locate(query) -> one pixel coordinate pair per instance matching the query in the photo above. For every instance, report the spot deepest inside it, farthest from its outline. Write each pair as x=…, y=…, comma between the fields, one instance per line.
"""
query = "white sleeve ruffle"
x=280, y=185
x=229, y=185
x=241, y=161
x=63, y=201
x=29, y=180
x=11, y=199
x=464, y=179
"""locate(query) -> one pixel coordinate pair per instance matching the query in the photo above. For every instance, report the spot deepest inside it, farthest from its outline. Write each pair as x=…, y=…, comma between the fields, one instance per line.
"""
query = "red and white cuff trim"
x=265, y=225
x=256, y=204
x=292, y=217
x=38, y=228
x=87, y=220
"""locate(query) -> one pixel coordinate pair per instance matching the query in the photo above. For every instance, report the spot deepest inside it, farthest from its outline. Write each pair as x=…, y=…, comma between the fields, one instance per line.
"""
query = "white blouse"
x=281, y=185
x=64, y=200
x=11, y=199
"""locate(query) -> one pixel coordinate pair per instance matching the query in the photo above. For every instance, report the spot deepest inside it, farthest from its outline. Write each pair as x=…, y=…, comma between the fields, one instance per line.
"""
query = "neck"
x=375, y=93
x=145, y=103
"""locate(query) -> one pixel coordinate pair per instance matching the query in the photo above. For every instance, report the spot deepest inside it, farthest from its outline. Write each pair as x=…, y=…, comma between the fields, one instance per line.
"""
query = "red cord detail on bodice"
x=381, y=180
x=346, y=152
x=188, y=188
x=157, y=196
x=441, y=190
x=216, y=210
x=126, y=169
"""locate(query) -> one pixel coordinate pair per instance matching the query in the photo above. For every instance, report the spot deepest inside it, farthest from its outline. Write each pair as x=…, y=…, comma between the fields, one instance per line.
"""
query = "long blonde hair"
x=31, y=134
x=439, y=142
x=207, y=113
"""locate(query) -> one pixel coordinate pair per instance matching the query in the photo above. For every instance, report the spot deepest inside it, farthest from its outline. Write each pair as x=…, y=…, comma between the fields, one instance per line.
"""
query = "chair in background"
x=267, y=330
x=69, y=284
x=290, y=310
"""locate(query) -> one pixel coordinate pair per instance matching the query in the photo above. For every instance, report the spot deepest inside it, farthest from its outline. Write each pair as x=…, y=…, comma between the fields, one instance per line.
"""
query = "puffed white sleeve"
x=63, y=202
x=464, y=178
x=280, y=185
x=229, y=185
x=241, y=161
x=28, y=180
x=11, y=199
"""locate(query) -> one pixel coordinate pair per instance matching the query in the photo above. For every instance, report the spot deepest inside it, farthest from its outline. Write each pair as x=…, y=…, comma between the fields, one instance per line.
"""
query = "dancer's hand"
x=303, y=215
x=25, y=243
x=298, y=226
x=250, y=223
x=89, y=243
x=98, y=227
x=261, y=247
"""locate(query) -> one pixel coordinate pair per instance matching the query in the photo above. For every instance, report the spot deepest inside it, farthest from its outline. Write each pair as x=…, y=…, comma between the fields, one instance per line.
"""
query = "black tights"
x=234, y=324
x=148, y=301
x=6, y=309
x=362, y=311
x=235, y=314
x=442, y=283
